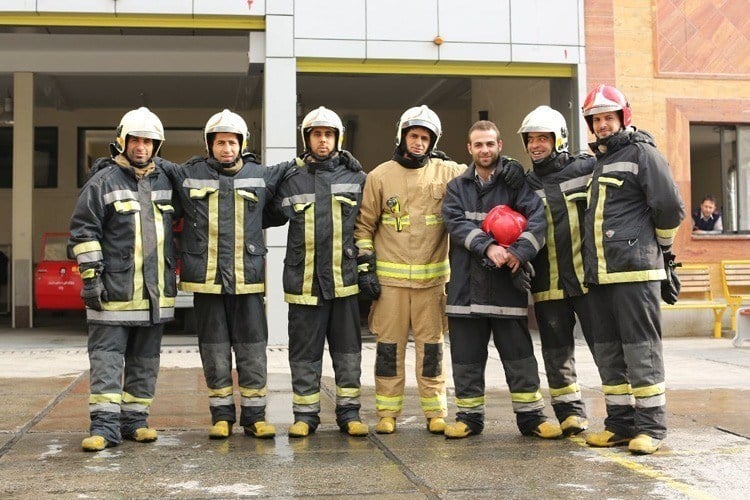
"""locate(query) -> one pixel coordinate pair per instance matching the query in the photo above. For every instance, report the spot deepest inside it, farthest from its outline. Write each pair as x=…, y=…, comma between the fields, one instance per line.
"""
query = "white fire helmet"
x=546, y=119
x=139, y=122
x=420, y=116
x=322, y=117
x=229, y=122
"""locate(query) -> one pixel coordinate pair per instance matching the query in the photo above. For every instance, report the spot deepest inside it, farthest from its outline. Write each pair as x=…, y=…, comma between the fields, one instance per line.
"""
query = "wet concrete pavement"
x=44, y=391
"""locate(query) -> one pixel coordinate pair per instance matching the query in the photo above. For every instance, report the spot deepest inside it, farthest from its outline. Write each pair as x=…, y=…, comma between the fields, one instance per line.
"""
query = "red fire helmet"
x=504, y=224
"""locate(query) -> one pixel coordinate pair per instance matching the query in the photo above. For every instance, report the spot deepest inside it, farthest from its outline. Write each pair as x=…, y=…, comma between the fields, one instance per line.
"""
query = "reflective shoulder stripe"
x=621, y=166
x=161, y=194
x=249, y=182
x=200, y=183
x=122, y=194
x=298, y=199
x=345, y=188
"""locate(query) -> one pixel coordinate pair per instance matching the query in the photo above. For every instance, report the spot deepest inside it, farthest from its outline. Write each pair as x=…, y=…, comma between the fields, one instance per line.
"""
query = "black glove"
x=512, y=172
x=93, y=293
x=349, y=161
x=440, y=155
x=522, y=277
x=670, y=287
x=369, y=286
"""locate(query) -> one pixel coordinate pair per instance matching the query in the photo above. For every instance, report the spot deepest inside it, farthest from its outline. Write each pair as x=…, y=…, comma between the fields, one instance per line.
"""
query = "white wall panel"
x=257, y=49
x=418, y=51
x=545, y=54
x=475, y=20
x=280, y=100
x=347, y=49
x=154, y=7
x=229, y=7
x=88, y=6
x=279, y=36
x=17, y=5
x=450, y=51
x=402, y=20
x=280, y=7
x=336, y=20
x=544, y=22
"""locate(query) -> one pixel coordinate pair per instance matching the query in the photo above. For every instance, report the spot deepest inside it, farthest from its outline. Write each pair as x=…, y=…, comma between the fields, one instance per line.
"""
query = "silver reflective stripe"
x=122, y=194
x=458, y=309
x=619, y=399
x=118, y=315
x=260, y=401
x=470, y=237
x=313, y=408
x=621, y=166
x=651, y=401
x=475, y=215
x=347, y=401
x=161, y=194
x=530, y=238
x=251, y=182
x=221, y=401
x=298, y=198
x=345, y=188
x=106, y=407
x=166, y=312
x=540, y=193
x=200, y=183
x=487, y=309
x=665, y=242
x=90, y=257
x=526, y=407
x=577, y=183
x=139, y=407
x=567, y=398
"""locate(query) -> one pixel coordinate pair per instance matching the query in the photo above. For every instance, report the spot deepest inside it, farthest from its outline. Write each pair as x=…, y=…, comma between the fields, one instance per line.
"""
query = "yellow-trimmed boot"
x=573, y=424
x=644, y=444
x=606, y=439
x=386, y=425
x=94, y=443
x=357, y=428
x=261, y=430
x=547, y=430
x=457, y=430
x=299, y=429
x=145, y=435
x=220, y=430
x=436, y=425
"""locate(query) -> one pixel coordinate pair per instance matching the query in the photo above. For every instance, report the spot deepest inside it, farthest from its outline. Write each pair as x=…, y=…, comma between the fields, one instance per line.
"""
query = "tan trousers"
x=393, y=315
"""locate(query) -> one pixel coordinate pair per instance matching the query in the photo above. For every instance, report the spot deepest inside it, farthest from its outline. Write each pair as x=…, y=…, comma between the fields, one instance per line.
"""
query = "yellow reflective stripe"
x=187, y=286
x=129, y=398
x=626, y=276
x=413, y=271
x=305, y=300
x=611, y=181
x=470, y=402
x=159, y=226
x=348, y=392
x=248, y=287
x=88, y=246
x=576, y=196
x=127, y=206
x=649, y=390
x=548, y=295
x=213, y=238
x=364, y=244
x=572, y=388
x=666, y=233
x=221, y=392
x=344, y=199
x=105, y=398
x=299, y=207
x=617, y=389
x=554, y=271
x=337, y=252
x=239, y=239
x=198, y=193
x=307, y=276
x=306, y=400
x=165, y=207
x=247, y=195
x=432, y=220
x=138, y=269
x=129, y=305
x=525, y=397
x=346, y=291
x=88, y=273
x=394, y=403
x=390, y=220
x=433, y=403
x=574, y=224
x=253, y=393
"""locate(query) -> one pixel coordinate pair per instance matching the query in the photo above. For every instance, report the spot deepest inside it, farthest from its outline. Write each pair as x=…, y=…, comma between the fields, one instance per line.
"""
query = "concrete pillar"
x=279, y=144
x=23, y=190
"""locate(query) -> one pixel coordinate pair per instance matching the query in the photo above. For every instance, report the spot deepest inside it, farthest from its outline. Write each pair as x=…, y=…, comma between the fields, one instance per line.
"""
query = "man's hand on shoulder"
x=512, y=172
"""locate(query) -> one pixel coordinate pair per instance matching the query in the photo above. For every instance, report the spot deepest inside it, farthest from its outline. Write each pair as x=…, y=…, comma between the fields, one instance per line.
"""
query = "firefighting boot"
x=573, y=425
x=457, y=430
x=94, y=443
x=357, y=428
x=220, y=430
x=606, y=439
x=386, y=425
x=144, y=435
x=436, y=425
x=260, y=430
x=547, y=430
x=644, y=444
x=299, y=429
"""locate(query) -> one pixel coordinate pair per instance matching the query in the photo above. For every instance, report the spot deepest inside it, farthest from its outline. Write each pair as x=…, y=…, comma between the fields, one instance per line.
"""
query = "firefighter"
x=560, y=179
x=487, y=293
x=223, y=263
x=403, y=250
x=320, y=197
x=633, y=214
x=121, y=237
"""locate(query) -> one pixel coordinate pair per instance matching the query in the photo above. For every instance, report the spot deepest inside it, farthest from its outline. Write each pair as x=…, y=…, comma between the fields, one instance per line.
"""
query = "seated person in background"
x=706, y=219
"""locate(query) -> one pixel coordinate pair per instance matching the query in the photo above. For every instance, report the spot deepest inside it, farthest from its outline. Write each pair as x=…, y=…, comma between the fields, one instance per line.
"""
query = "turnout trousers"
x=336, y=321
x=393, y=315
x=468, y=342
x=236, y=323
x=556, y=320
x=628, y=353
x=121, y=393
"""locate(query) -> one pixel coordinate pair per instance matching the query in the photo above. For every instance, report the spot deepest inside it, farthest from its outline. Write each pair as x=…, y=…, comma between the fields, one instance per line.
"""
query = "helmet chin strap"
x=544, y=160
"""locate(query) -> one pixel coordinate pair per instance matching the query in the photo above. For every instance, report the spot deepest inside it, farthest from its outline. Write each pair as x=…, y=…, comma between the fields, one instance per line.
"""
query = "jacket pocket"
x=118, y=280
x=250, y=197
